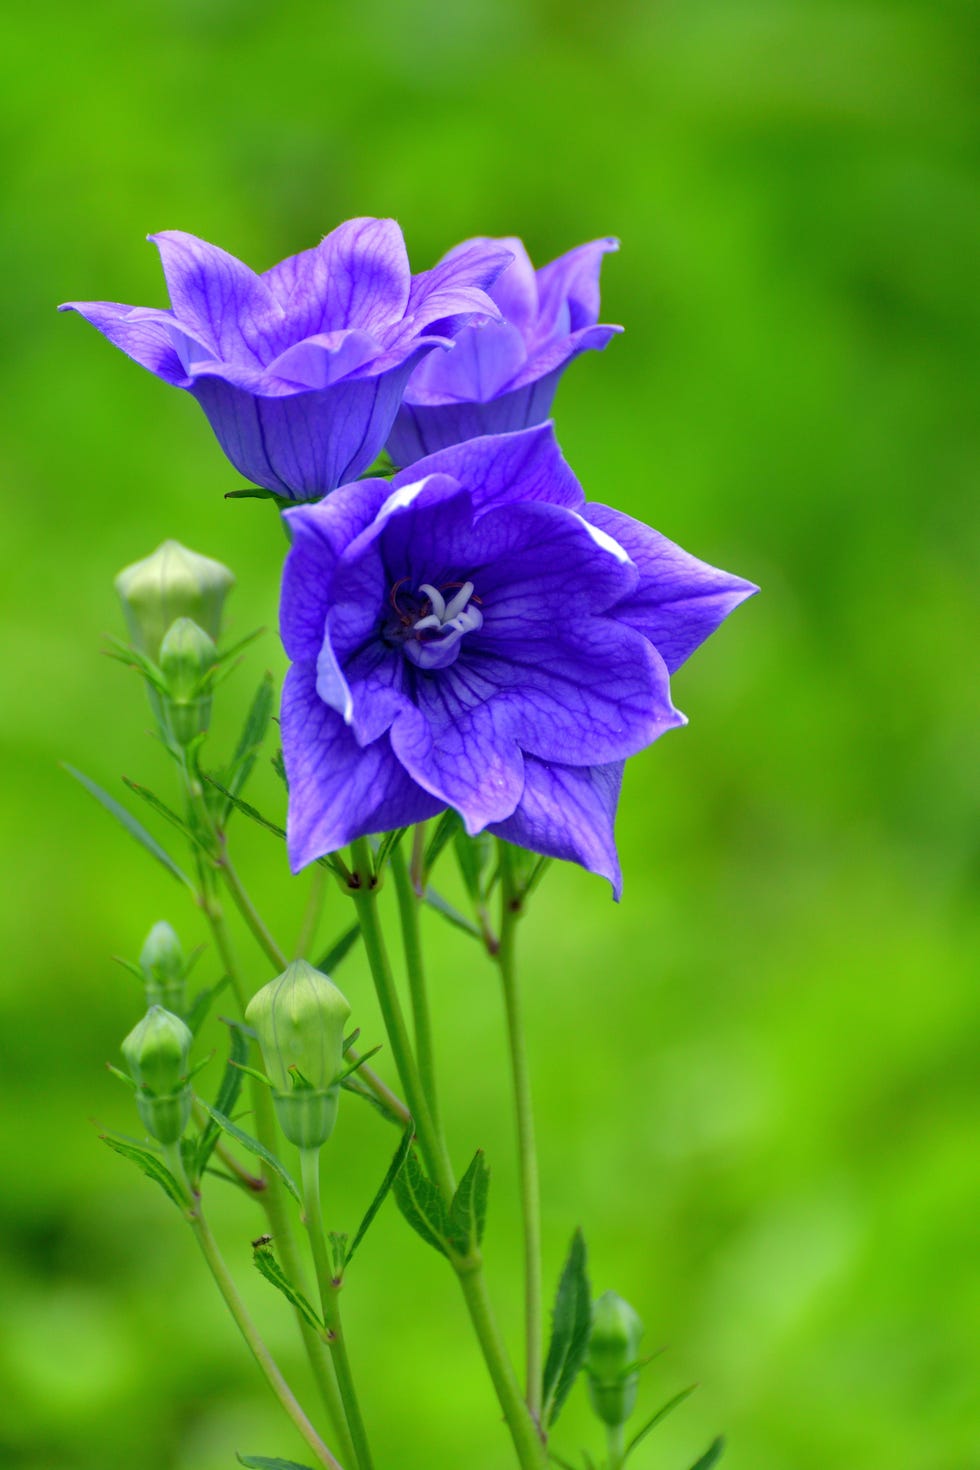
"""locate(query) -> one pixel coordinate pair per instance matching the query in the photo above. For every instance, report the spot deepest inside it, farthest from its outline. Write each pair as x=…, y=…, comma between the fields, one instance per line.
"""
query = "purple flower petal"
x=483, y=361
x=145, y=336
x=322, y=360
x=358, y=276
x=337, y=790
x=568, y=812
x=465, y=757
x=220, y=299
x=502, y=468
x=551, y=359
x=568, y=288
x=679, y=601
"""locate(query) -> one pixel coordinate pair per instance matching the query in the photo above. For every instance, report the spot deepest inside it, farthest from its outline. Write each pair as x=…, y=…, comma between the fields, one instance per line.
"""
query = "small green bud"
x=164, y=968
x=299, y=1019
x=157, y=1052
x=187, y=659
x=172, y=583
x=614, y=1344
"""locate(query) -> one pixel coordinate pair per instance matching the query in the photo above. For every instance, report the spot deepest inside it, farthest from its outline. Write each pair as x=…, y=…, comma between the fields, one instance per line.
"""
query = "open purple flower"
x=300, y=370
x=473, y=634
x=502, y=375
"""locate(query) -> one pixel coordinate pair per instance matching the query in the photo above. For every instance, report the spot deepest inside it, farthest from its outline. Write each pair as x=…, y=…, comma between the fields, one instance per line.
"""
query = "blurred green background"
x=756, y=1078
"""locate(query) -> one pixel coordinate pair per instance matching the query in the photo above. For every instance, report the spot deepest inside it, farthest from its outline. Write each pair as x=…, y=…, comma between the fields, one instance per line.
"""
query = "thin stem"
x=365, y=896
x=527, y=1442
x=527, y=1154
x=260, y=1352
x=616, y=1444
x=418, y=859
x=330, y=1303
x=311, y=914
x=408, y=910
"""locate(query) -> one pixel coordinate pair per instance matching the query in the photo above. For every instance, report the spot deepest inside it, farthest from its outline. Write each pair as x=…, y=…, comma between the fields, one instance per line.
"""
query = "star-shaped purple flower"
x=473, y=634
x=300, y=370
x=503, y=375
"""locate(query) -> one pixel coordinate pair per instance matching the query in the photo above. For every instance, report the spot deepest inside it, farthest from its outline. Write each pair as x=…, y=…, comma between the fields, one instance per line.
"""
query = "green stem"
x=616, y=1444
x=527, y=1442
x=330, y=1303
x=408, y=910
x=527, y=1153
x=365, y=896
x=311, y=914
x=260, y=1352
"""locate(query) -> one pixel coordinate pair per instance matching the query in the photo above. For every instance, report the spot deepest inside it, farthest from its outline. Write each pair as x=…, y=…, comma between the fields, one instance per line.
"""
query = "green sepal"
x=123, y=1076
x=657, y=1418
x=394, y=1169
x=255, y=1073
x=446, y=828
x=129, y=965
x=152, y=1166
x=473, y=854
x=350, y=1040
x=132, y=826
x=262, y=1462
x=571, y=1322
x=254, y=1147
x=125, y=653
x=468, y=1211
x=258, y=492
x=339, y=949
x=381, y=469
x=711, y=1455
x=264, y=1260
x=231, y=1086
x=386, y=847
x=349, y=1071
x=421, y=1203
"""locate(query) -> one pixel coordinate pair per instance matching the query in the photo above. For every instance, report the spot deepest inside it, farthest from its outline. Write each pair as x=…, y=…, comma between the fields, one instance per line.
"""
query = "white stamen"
x=459, y=602
x=437, y=600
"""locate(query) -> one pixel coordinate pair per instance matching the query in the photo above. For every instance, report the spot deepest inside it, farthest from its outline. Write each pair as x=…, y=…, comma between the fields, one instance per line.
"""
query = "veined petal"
x=471, y=763
x=568, y=812
x=556, y=355
x=321, y=360
x=678, y=601
x=337, y=790
x=358, y=276
x=482, y=362
x=458, y=286
x=516, y=288
x=144, y=335
x=219, y=298
x=527, y=465
x=568, y=288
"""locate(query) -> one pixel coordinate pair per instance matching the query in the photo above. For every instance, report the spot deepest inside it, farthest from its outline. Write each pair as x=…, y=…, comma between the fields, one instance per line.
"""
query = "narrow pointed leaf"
x=231, y=1086
x=332, y=957
x=152, y=1166
x=472, y=855
x=250, y=740
x=132, y=826
x=262, y=1462
x=243, y=806
x=386, y=847
x=279, y=766
x=468, y=1213
x=252, y=1144
x=660, y=1415
x=420, y=1202
x=711, y=1455
x=160, y=807
x=570, y=1325
x=436, y=901
x=447, y=826
x=265, y=1262
x=394, y=1169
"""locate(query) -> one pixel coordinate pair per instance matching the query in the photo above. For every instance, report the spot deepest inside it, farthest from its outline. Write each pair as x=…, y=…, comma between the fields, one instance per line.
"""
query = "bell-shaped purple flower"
x=502, y=375
x=473, y=634
x=300, y=370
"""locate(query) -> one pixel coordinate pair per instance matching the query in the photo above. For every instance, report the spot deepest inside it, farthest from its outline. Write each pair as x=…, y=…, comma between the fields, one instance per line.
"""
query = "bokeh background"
x=757, y=1077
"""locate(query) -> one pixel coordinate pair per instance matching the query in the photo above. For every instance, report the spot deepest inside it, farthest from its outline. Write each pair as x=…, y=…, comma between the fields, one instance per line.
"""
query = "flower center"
x=430, y=628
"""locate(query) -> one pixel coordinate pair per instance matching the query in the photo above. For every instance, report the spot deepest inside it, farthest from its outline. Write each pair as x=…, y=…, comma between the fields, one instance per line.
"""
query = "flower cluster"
x=472, y=633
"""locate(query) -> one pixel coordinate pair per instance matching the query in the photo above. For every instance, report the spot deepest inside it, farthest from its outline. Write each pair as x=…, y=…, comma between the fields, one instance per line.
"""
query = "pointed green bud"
x=614, y=1344
x=187, y=659
x=299, y=1019
x=164, y=968
x=172, y=583
x=157, y=1052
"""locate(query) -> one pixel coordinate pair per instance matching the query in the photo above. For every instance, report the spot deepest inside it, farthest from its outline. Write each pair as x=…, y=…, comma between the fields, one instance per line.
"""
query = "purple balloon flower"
x=502, y=375
x=473, y=634
x=300, y=370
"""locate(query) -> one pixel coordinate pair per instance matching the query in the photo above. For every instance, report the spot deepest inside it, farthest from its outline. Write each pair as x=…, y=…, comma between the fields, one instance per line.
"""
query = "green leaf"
x=711, y=1455
x=338, y=1250
x=262, y=1462
x=243, y=806
x=252, y=1144
x=152, y=1166
x=661, y=1414
x=250, y=740
x=339, y=949
x=132, y=826
x=570, y=1325
x=468, y=1212
x=447, y=826
x=265, y=1262
x=279, y=766
x=160, y=807
x=231, y=1086
x=394, y=1169
x=421, y=1203
x=473, y=854
x=386, y=847
x=437, y=902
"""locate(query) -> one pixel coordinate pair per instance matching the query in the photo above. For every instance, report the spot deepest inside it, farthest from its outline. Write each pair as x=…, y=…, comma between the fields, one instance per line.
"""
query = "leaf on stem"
x=231, y=1086
x=252, y=1144
x=711, y=1455
x=160, y=807
x=386, y=847
x=468, y=1211
x=448, y=824
x=250, y=741
x=262, y=1462
x=661, y=1414
x=473, y=854
x=152, y=1166
x=570, y=1325
x=132, y=826
x=337, y=951
x=421, y=1203
x=394, y=1169
x=243, y=806
x=265, y=1262
x=453, y=916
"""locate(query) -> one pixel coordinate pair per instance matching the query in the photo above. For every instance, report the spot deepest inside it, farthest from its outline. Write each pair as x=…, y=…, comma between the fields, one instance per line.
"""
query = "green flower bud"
x=614, y=1344
x=157, y=1052
x=187, y=657
x=164, y=968
x=299, y=1019
x=172, y=583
